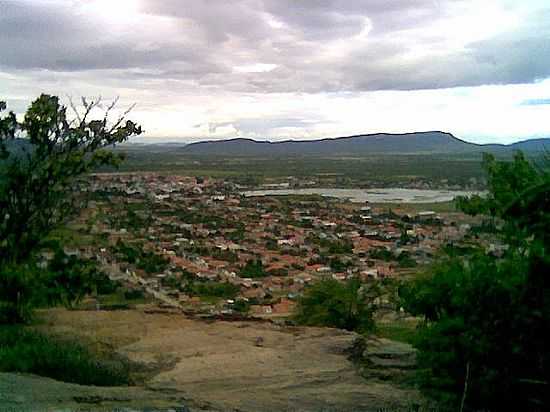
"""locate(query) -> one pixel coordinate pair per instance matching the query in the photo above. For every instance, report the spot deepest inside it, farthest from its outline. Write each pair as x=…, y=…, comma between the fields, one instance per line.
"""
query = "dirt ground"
x=230, y=366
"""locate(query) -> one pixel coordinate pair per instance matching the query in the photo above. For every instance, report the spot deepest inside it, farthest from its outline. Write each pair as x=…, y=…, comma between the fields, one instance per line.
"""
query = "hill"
x=379, y=143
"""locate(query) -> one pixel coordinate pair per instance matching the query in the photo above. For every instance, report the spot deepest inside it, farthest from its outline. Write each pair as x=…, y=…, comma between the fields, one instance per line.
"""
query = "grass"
x=400, y=331
x=23, y=350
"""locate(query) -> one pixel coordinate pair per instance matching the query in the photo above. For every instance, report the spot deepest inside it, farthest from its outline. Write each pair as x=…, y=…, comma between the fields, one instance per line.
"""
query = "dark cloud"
x=316, y=46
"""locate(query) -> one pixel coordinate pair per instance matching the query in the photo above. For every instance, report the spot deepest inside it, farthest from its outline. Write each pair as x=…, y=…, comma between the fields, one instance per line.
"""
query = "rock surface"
x=22, y=393
x=219, y=366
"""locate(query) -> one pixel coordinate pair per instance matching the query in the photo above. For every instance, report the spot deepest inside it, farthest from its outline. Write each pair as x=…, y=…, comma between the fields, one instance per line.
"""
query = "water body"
x=372, y=195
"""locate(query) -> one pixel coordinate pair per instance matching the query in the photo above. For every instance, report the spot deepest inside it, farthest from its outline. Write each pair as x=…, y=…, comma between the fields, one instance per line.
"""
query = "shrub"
x=26, y=351
x=331, y=303
x=213, y=289
x=18, y=295
x=134, y=294
x=253, y=269
x=241, y=306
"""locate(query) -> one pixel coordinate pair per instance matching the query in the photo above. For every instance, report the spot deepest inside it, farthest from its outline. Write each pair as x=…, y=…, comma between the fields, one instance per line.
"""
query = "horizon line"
x=321, y=139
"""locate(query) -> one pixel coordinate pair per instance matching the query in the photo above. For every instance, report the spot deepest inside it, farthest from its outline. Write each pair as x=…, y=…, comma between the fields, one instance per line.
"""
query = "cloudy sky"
x=299, y=69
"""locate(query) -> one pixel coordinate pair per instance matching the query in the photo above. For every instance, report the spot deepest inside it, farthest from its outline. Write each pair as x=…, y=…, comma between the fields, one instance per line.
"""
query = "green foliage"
x=238, y=235
x=518, y=194
x=405, y=260
x=271, y=244
x=148, y=261
x=241, y=306
x=253, y=269
x=338, y=265
x=488, y=313
x=400, y=331
x=212, y=289
x=104, y=285
x=484, y=340
x=63, y=280
x=134, y=294
x=36, y=184
x=152, y=263
x=381, y=254
x=26, y=351
x=42, y=159
x=331, y=303
x=19, y=292
x=172, y=282
x=70, y=279
x=337, y=247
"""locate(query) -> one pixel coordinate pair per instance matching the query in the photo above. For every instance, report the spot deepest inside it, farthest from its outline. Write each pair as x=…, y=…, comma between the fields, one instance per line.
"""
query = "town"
x=203, y=245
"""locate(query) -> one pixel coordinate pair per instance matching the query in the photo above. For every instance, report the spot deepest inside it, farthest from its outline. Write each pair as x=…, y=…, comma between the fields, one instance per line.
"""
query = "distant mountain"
x=380, y=143
x=532, y=145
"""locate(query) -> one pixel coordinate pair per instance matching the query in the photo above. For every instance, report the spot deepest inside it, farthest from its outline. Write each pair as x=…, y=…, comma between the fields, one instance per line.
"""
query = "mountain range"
x=434, y=142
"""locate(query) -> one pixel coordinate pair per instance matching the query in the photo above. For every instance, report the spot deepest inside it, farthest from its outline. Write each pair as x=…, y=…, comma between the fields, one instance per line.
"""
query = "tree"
x=69, y=279
x=484, y=344
x=331, y=303
x=253, y=269
x=41, y=160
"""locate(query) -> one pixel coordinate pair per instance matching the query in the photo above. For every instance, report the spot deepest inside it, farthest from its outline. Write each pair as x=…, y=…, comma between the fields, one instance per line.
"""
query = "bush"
x=27, y=351
x=484, y=341
x=213, y=289
x=331, y=303
x=486, y=322
x=106, y=286
x=253, y=269
x=134, y=294
x=405, y=260
x=18, y=294
x=241, y=306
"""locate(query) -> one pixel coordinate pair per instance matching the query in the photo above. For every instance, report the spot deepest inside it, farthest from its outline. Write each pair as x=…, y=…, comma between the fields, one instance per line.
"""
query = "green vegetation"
x=38, y=178
x=253, y=269
x=71, y=279
x=401, y=331
x=241, y=306
x=26, y=351
x=483, y=344
x=405, y=260
x=331, y=303
x=339, y=265
x=212, y=289
x=148, y=261
x=64, y=280
x=361, y=171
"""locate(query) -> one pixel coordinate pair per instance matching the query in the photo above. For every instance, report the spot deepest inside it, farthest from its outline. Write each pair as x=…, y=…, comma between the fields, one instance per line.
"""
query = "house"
x=284, y=307
x=254, y=293
x=261, y=309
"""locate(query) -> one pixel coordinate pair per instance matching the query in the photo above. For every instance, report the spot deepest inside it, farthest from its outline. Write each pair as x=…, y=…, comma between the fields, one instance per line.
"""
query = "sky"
x=289, y=69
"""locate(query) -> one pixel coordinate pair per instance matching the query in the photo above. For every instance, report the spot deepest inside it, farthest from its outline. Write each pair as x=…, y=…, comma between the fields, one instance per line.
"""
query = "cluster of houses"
x=205, y=230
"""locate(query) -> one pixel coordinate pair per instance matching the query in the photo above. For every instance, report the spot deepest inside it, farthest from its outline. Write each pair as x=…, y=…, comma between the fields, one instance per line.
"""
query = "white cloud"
x=281, y=69
x=255, y=68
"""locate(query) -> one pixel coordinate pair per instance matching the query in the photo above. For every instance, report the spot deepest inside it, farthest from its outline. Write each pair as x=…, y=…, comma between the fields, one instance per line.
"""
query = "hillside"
x=380, y=143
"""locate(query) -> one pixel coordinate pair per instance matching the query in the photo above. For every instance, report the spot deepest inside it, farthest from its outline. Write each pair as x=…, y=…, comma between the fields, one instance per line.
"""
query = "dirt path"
x=246, y=366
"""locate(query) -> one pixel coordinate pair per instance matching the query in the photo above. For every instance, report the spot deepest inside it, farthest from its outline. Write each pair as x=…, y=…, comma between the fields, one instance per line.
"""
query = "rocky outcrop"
x=27, y=393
